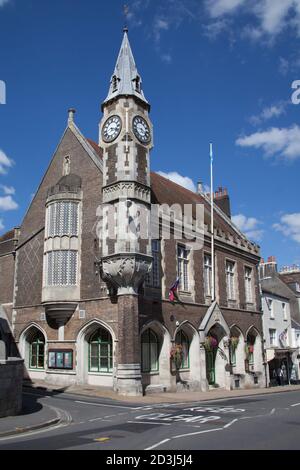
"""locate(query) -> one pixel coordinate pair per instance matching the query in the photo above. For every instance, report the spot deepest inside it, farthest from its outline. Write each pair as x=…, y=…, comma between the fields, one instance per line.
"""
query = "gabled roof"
x=125, y=79
x=165, y=191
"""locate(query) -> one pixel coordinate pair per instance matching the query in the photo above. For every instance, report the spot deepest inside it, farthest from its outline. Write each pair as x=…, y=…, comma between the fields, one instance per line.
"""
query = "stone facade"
x=102, y=322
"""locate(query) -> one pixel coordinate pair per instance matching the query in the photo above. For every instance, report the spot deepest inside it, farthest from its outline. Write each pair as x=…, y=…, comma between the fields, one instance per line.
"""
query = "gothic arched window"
x=101, y=351
x=182, y=339
x=37, y=351
x=150, y=351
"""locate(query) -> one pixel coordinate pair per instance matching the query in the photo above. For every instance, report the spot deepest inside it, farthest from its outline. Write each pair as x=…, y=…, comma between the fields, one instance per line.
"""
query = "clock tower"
x=125, y=134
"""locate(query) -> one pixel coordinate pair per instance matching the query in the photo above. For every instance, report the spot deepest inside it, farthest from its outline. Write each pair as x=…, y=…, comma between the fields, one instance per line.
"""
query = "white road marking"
x=229, y=424
x=109, y=406
x=296, y=404
x=158, y=444
x=273, y=411
x=195, y=433
x=149, y=422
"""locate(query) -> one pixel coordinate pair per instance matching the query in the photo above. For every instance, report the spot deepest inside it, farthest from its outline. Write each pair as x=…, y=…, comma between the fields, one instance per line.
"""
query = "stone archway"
x=214, y=358
x=85, y=373
x=33, y=342
x=189, y=375
x=159, y=379
x=254, y=358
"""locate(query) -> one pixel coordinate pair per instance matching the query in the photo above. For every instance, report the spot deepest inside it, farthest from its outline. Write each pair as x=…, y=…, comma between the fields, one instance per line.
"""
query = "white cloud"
x=290, y=226
x=5, y=162
x=284, y=142
x=269, y=112
x=167, y=58
x=1, y=224
x=7, y=204
x=10, y=190
x=221, y=7
x=160, y=24
x=283, y=66
x=249, y=226
x=271, y=16
x=3, y=2
x=217, y=27
x=184, y=181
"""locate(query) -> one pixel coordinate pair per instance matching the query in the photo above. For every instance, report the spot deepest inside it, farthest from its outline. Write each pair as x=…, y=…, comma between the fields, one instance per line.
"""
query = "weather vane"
x=126, y=13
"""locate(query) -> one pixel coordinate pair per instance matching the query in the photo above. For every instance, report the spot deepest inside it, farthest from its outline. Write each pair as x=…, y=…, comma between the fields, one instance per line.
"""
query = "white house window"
x=183, y=267
x=273, y=339
x=248, y=285
x=284, y=310
x=153, y=278
x=62, y=268
x=230, y=281
x=207, y=275
x=63, y=219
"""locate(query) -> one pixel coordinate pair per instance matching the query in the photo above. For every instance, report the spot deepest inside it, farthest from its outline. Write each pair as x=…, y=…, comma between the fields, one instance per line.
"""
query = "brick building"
x=89, y=307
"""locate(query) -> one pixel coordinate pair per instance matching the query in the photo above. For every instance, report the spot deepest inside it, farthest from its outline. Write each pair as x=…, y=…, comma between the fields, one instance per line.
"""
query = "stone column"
x=203, y=379
x=129, y=377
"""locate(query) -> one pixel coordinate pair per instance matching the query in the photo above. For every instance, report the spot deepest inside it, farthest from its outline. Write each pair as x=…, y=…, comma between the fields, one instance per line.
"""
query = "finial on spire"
x=126, y=15
x=71, y=113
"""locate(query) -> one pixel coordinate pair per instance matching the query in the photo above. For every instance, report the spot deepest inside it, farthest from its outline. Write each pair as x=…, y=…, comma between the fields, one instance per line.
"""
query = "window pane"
x=94, y=364
x=145, y=357
x=104, y=363
x=33, y=360
x=153, y=356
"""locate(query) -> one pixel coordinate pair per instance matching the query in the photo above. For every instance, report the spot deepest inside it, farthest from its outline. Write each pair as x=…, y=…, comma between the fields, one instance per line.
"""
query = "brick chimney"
x=268, y=268
x=221, y=198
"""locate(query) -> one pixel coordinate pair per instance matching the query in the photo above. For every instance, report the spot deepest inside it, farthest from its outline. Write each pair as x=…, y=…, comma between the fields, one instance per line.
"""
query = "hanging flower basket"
x=176, y=355
x=210, y=343
x=249, y=349
x=234, y=341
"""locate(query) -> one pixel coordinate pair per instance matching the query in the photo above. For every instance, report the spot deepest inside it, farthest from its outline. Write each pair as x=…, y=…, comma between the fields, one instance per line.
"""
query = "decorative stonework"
x=127, y=190
x=126, y=271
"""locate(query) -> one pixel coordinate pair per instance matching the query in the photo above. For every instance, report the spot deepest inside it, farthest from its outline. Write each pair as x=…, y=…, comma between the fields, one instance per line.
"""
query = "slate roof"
x=125, y=74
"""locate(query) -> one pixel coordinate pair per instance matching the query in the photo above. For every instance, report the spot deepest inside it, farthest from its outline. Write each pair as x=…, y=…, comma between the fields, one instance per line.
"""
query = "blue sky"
x=213, y=70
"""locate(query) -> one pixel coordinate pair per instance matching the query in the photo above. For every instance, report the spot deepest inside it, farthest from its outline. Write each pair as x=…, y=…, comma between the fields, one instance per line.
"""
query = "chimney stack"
x=221, y=198
x=269, y=268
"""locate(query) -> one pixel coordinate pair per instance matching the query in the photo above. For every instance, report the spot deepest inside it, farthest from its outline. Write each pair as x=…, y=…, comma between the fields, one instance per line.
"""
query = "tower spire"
x=125, y=81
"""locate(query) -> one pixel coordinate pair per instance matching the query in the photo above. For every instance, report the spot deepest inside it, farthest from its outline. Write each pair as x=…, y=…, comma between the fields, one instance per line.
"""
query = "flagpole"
x=212, y=224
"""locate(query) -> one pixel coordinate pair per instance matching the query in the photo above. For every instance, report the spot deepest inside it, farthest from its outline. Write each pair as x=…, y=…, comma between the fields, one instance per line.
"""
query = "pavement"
x=36, y=415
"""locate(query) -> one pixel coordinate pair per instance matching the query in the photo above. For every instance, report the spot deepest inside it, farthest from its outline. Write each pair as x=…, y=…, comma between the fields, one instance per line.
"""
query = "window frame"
x=109, y=356
x=186, y=361
x=148, y=346
x=37, y=341
x=207, y=275
x=248, y=282
x=183, y=268
x=233, y=280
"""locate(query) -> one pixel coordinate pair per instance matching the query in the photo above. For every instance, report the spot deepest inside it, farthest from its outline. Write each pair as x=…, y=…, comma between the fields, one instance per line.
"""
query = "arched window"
x=182, y=339
x=250, y=348
x=37, y=351
x=100, y=351
x=150, y=351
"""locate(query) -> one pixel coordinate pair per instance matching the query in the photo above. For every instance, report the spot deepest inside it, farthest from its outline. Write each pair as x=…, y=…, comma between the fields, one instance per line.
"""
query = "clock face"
x=111, y=128
x=141, y=129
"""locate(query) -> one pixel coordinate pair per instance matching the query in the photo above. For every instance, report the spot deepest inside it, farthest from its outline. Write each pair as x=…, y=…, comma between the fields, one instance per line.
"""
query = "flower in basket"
x=210, y=343
x=176, y=355
x=249, y=349
x=234, y=341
